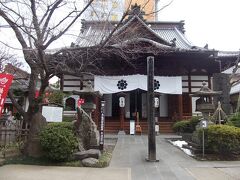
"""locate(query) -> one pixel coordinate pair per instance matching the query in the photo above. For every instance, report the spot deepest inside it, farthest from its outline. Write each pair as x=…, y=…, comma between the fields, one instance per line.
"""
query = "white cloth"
x=112, y=84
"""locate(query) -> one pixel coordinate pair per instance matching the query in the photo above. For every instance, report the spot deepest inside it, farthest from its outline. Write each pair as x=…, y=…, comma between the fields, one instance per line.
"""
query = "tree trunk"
x=32, y=147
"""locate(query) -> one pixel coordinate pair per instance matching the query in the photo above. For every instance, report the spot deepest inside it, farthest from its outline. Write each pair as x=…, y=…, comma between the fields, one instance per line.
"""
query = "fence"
x=12, y=132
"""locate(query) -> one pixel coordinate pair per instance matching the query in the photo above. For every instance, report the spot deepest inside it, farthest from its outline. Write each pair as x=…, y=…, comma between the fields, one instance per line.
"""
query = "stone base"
x=90, y=162
x=91, y=153
x=152, y=160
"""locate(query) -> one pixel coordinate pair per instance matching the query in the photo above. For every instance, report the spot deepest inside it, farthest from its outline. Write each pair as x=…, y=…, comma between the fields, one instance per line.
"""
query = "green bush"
x=194, y=121
x=182, y=126
x=234, y=120
x=58, y=141
x=186, y=126
x=223, y=139
x=68, y=125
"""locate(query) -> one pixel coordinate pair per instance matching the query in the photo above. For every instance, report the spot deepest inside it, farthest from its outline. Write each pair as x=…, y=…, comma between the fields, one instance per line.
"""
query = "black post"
x=151, y=110
x=102, y=125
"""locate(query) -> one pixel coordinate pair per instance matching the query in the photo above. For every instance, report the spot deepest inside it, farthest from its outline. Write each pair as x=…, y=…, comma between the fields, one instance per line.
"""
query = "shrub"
x=223, y=139
x=68, y=125
x=194, y=121
x=182, y=126
x=58, y=141
x=186, y=126
x=198, y=137
x=234, y=120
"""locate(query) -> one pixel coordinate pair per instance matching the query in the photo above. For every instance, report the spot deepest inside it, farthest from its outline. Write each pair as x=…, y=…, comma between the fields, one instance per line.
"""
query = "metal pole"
x=150, y=112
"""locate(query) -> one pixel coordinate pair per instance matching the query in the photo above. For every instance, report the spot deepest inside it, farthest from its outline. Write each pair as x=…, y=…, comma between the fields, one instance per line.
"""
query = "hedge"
x=234, y=120
x=58, y=141
x=186, y=126
x=223, y=139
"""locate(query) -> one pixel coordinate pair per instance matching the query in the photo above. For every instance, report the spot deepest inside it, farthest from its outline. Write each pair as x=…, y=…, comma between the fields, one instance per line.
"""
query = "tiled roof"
x=91, y=37
x=228, y=53
x=93, y=32
x=170, y=33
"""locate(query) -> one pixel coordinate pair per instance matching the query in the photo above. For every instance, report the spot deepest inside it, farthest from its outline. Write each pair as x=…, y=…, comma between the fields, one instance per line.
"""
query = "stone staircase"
x=113, y=127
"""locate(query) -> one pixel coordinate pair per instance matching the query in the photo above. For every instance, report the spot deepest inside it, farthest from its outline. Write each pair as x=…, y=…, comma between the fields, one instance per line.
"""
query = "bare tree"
x=6, y=57
x=39, y=23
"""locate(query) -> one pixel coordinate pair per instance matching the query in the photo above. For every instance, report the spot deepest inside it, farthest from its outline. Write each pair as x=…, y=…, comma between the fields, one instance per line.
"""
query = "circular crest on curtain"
x=156, y=84
x=122, y=84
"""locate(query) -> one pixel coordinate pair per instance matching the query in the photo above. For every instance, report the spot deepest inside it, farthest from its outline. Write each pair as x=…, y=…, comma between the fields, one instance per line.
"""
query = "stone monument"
x=85, y=126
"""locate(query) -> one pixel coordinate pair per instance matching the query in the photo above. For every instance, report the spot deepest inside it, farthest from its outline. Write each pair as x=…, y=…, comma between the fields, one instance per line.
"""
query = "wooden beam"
x=150, y=103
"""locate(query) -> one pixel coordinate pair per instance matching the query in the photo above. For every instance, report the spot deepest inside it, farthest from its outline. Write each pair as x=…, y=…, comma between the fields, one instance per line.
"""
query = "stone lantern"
x=204, y=103
x=89, y=96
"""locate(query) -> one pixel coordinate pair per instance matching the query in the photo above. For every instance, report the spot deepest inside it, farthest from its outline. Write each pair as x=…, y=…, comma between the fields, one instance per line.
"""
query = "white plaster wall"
x=163, y=105
x=127, y=105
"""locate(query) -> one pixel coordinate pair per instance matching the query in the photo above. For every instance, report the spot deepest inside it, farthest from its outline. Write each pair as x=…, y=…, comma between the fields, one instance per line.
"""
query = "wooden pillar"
x=189, y=92
x=121, y=111
x=189, y=83
x=150, y=103
x=180, y=107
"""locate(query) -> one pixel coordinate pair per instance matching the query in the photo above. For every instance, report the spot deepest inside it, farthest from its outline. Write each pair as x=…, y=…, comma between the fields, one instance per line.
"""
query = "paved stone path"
x=27, y=172
x=173, y=164
x=128, y=163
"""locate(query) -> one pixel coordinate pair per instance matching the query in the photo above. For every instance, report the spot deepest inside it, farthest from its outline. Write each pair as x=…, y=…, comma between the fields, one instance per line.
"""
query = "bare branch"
x=14, y=28
x=55, y=5
x=35, y=21
x=162, y=8
x=53, y=38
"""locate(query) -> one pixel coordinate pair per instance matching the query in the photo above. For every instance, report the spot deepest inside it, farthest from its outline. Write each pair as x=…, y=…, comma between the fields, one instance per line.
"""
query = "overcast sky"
x=216, y=22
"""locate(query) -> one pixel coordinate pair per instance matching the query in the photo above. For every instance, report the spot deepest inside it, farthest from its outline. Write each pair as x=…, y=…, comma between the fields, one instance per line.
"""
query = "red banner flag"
x=5, y=83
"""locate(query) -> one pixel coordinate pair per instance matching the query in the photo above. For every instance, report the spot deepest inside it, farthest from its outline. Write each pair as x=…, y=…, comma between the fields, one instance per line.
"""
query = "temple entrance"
x=135, y=109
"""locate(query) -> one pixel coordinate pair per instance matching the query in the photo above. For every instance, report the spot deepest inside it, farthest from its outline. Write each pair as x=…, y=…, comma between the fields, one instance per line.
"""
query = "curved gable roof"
x=127, y=29
x=166, y=33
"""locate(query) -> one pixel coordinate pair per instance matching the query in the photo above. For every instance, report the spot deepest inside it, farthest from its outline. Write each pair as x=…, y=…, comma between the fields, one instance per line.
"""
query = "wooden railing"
x=12, y=133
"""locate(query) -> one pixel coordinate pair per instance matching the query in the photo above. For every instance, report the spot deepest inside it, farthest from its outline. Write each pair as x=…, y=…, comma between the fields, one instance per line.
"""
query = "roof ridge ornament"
x=136, y=11
x=173, y=42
